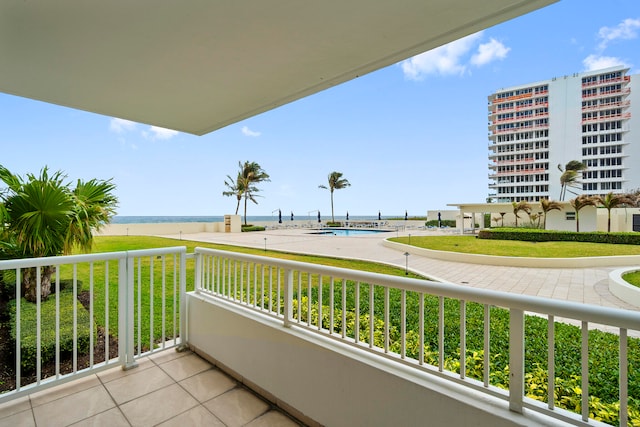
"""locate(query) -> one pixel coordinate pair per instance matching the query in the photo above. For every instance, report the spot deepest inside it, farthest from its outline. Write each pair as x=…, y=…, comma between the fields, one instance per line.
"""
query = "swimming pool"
x=347, y=231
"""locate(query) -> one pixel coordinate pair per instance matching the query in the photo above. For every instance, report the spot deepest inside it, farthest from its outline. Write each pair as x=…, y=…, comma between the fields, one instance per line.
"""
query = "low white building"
x=502, y=214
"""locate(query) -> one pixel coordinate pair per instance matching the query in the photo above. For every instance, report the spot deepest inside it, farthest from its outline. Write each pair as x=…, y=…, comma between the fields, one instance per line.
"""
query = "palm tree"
x=336, y=182
x=44, y=216
x=610, y=201
x=570, y=176
x=548, y=205
x=502, y=214
x=522, y=205
x=250, y=174
x=235, y=189
x=580, y=202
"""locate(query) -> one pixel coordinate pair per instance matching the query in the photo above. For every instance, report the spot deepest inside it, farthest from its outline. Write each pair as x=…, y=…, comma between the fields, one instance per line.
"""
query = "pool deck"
x=582, y=285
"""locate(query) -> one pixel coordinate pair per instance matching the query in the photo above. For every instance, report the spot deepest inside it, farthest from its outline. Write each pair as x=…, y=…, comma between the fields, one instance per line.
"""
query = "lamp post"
x=265, y=244
x=409, y=238
x=180, y=234
x=406, y=263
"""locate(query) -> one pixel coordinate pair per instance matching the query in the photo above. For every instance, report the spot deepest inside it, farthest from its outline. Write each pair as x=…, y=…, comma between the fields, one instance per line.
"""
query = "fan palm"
x=336, y=182
x=522, y=205
x=610, y=201
x=580, y=202
x=548, y=205
x=44, y=216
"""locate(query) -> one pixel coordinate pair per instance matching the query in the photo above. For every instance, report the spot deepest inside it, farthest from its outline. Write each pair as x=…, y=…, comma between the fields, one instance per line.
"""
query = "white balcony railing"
x=324, y=300
x=139, y=297
x=130, y=308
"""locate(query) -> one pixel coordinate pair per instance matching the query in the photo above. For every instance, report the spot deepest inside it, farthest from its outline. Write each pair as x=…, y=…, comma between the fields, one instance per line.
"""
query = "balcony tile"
x=273, y=419
x=237, y=407
x=13, y=407
x=73, y=407
x=198, y=416
x=158, y=406
x=208, y=384
x=57, y=392
x=110, y=418
x=138, y=384
x=22, y=419
x=118, y=372
x=165, y=356
x=185, y=367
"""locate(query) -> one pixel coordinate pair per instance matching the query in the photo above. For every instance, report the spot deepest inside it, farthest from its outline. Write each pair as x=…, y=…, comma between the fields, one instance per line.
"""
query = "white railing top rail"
x=74, y=259
x=594, y=314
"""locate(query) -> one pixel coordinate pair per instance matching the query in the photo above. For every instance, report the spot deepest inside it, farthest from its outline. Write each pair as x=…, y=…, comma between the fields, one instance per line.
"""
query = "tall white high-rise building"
x=591, y=117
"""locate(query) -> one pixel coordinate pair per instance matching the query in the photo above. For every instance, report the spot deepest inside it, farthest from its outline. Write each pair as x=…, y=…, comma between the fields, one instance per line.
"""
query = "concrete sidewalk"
x=583, y=285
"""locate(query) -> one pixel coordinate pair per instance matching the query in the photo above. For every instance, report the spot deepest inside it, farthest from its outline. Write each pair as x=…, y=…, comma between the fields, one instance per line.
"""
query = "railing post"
x=516, y=359
x=288, y=298
x=183, y=298
x=197, y=280
x=125, y=312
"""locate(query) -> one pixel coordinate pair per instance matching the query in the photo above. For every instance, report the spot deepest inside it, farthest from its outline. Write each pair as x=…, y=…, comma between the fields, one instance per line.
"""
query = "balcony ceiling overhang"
x=197, y=66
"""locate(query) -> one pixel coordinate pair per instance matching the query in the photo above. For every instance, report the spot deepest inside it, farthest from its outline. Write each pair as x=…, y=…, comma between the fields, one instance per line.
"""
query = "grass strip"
x=471, y=245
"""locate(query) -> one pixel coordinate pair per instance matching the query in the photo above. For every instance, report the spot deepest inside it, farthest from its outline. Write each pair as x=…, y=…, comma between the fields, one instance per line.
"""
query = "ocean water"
x=122, y=219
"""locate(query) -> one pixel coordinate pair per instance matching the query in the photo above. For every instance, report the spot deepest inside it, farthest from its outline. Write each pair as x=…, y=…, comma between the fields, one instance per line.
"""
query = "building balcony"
x=621, y=104
x=604, y=82
x=623, y=116
x=332, y=346
x=624, y=91
x=519, y=129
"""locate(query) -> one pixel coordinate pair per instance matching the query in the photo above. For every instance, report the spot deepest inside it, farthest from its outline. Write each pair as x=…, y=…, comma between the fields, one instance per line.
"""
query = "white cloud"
x=489, y=52
x=121, y=125
x=597, y=62
x=248, y=132
x=626, y=30
x=444, y=60
x=159, y=133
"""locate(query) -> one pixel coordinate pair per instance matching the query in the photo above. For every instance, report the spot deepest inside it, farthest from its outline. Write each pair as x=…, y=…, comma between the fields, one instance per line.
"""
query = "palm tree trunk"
x=30, y=283
x=245, y=210
x=332, y=218
x=608, y=220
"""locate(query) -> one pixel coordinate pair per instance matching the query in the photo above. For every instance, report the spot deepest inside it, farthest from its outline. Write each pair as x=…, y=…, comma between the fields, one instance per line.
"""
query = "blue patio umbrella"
x=291, y=216
x=347, y=215
x=379, y=216
x=319, y=220
x=406, y=217
x=279, y=216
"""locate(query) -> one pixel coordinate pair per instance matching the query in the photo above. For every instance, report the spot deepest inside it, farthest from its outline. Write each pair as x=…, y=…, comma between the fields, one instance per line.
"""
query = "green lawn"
x=633, y=278
x=471, y=245
x=125, y=243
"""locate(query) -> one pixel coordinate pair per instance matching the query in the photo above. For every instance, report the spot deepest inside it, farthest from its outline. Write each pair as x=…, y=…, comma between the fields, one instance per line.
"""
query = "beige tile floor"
x=166, y=389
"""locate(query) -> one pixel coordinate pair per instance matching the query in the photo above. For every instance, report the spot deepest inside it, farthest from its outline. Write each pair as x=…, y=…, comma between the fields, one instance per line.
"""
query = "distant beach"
x=124, y=219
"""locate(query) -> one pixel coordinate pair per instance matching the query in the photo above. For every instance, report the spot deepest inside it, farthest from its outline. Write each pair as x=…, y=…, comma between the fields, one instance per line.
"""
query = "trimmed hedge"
x=252, y=228
x=537, y=235
x=443, y=223
x=28, y=325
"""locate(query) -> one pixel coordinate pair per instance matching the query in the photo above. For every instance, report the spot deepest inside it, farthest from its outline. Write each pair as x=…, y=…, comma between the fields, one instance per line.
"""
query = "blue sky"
x=412, y=136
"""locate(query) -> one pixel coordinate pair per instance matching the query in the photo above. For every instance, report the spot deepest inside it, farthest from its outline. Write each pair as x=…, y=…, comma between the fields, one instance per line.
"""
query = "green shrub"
x=444, y=223
x=334, y=224
x=28, y=325
x=537, y=235
x=251, y=227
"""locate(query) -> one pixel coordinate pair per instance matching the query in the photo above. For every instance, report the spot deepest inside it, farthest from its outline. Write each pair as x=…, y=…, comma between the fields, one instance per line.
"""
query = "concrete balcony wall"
x=332, y=383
